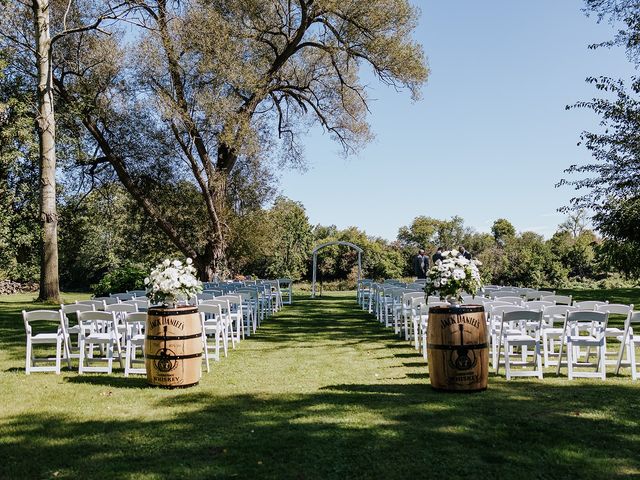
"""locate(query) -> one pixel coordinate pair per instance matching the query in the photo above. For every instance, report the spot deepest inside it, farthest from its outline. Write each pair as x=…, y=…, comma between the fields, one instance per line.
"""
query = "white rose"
x=444, y=281
x=166, y=263
x=189, y=261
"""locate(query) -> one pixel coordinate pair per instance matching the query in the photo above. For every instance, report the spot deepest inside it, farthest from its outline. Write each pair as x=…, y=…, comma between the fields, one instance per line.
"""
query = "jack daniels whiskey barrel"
x=173, y=347
x=457, y=348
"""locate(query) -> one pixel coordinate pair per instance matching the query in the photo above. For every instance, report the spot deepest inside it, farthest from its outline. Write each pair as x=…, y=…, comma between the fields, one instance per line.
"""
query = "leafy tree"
x=430, y=233
x=213, y=102
x=610, y=185
x=575, y=223
x=19, y=230
x=291, y=236
x=502, y=230
x=620, y=227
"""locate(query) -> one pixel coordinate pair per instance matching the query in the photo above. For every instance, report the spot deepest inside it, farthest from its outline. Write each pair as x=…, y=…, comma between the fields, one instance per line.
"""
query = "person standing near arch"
x=420, y=264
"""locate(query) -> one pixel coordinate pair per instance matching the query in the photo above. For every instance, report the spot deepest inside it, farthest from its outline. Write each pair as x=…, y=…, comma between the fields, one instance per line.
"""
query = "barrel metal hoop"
x=174, y=337
x=163, y=312
x=172, y=357
x=457, y=310
x=470, y=346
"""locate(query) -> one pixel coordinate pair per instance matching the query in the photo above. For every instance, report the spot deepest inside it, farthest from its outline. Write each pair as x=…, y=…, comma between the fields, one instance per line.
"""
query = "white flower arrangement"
x=452, y=276
x=172, y=281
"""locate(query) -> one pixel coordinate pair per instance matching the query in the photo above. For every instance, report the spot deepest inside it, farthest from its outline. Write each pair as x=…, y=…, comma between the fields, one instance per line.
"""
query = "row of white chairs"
x=404, y=307
x=107, y=330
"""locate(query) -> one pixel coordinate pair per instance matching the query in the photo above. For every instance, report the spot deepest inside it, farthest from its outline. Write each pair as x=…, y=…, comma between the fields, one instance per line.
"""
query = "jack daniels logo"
x=463, y=357
x=165, y=360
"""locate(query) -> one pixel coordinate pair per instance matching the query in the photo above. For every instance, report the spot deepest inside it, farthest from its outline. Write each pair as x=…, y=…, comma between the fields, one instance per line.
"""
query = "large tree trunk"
x=49, y=281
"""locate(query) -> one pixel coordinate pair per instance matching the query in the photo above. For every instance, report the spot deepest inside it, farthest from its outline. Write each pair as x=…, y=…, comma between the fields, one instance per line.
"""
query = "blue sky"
x=491, y=136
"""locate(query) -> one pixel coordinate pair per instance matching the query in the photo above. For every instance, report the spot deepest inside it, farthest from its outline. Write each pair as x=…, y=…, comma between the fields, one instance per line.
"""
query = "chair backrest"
x=107, y=300
x=558, y=299
x=498, y=311
x=41, y=316
x=122, y=296
x=504, y=293
x=135, y=322
x=234, y=300
x=97, y=304
x=589, y=304
x=138, y=293
x=558, y=310
x=223, y=303
x=522, y=315
x=538, y=304
x=142, y=304
x=210, y=309
x=97, y=319
x=615, y=308
x=588, y=317
x=512, y=300
x=121, y=307
x=76, y=307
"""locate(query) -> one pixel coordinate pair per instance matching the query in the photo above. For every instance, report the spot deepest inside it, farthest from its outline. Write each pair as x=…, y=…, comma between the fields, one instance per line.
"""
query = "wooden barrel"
x=173, y=347
x=457, y=348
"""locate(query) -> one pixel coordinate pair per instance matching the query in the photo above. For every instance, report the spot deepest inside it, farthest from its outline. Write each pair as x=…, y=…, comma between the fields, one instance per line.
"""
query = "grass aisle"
x=320, y=392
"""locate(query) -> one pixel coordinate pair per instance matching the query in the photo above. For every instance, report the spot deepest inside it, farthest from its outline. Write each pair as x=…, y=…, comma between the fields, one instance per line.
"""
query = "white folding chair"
x=235, y=314
x=45, y=336
x=227, y=323
x=213, y=325
x=98, y=329
x=615, y=332
x=495, y=330
x=73, y=330
x=630, y=343
x=584, y=328
x=527, y=324
x=553, y=319
x=135, y=324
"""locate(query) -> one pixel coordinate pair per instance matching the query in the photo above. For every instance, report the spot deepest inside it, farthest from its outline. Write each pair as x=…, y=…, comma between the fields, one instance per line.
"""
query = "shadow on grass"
x=136, y=381
x=521, y=429
x=524, y=430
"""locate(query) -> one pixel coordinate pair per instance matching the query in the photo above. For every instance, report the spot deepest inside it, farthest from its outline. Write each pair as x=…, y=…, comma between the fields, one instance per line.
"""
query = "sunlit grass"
x=322, y=391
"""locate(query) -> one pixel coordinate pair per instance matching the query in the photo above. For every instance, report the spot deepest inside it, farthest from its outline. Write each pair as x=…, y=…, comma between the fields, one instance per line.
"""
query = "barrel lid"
x=167, y=311
x=457, y=310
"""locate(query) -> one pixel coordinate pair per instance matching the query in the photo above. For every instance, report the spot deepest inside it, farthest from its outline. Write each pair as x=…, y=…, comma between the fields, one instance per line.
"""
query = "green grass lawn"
x=322, y=391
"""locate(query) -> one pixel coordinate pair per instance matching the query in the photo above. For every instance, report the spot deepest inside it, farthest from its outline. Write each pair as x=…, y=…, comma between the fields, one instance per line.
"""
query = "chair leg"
x=570, y=354
x=602, y=359
x=58, y=354
x=507, y=360
x=27, y=363
x=81, y=347
x=538, y=359
x=127, y=359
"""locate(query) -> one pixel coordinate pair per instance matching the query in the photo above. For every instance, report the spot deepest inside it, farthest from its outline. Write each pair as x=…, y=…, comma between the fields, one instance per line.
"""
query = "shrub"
x=126, y=277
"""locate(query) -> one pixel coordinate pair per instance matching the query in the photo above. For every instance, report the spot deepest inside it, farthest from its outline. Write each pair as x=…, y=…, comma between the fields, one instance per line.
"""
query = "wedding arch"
x=315, y=260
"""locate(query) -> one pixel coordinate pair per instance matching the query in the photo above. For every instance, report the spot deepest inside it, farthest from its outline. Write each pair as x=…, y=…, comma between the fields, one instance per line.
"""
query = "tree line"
x=107, y=241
